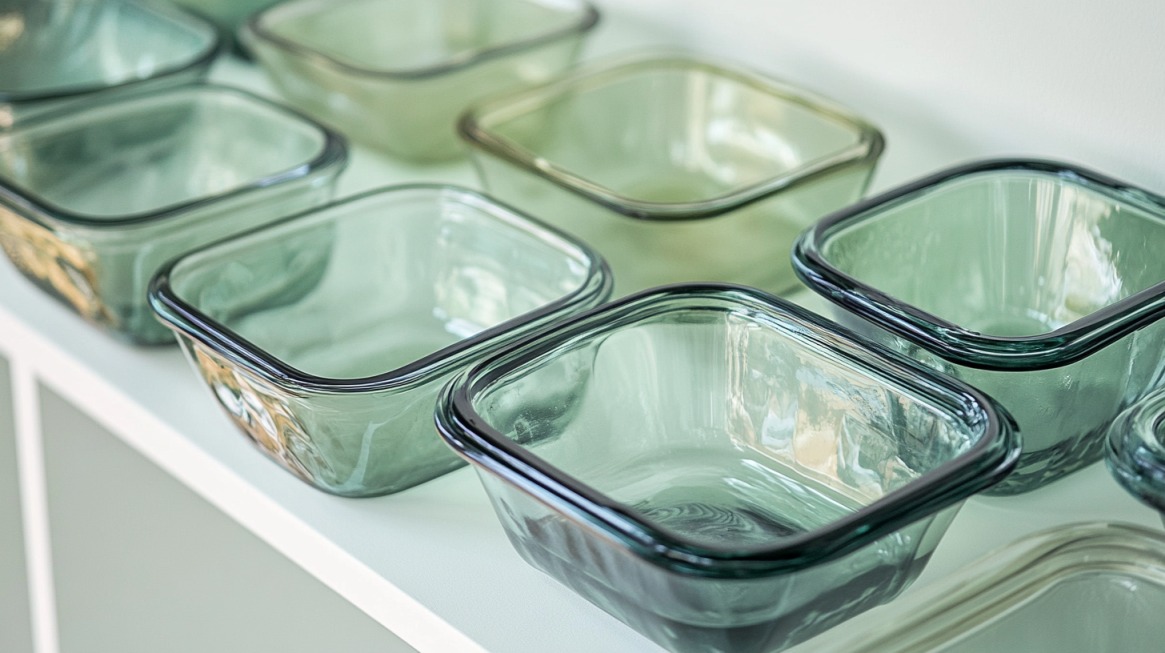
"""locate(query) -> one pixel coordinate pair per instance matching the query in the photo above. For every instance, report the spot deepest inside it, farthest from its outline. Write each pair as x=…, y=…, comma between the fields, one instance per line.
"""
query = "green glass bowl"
x=56, y=52
x=1038, y=283
x=673, y=167
x=1079, y=588
x=326, y=337
x=1136, y=450
x=720, y=469
x=394, y=74
x=94, y=199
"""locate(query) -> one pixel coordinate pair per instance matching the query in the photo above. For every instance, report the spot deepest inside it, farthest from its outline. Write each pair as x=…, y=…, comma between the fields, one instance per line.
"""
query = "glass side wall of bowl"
x=1036, y=282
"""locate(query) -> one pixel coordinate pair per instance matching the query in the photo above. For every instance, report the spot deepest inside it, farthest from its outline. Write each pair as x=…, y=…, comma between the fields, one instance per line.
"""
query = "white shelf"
x=430, y=564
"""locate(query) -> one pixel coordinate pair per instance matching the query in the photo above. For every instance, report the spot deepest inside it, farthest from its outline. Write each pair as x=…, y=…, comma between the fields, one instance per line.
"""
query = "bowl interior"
x=159, y=151
x=48, y=47
x=383, y=281
x=670, y=131
x=722, y=426
x=404, y=35
x=1004, y=253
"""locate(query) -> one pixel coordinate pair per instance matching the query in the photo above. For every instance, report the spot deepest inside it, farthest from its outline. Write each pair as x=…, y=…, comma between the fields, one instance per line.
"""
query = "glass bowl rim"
x=988, y=461
x=254, y=27
x=199, y=59
x=332, y=152
x=951, y=342
x=1134, y=454
x=186, y=319
x=866, y=148
x=1024, y=566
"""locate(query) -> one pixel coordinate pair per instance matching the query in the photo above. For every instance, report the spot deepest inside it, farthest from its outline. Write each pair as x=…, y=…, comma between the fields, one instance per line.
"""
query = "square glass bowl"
x=94, y=199
x=53, y=52
x=1136, y=450
x=1036, y=282
x=326, y=337
x=674, y=168
x=1081, y=588
x=719, y=469
x=395, y=74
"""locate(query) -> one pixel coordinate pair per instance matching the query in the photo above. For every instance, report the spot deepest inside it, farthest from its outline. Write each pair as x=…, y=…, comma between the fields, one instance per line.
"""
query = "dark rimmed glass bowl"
x=395, y=74
x=55, y=52
x=720, y=469
x=676, y=168
x=95, y=197
x=1037, y=282
x=1136, y=450
x=326, y=337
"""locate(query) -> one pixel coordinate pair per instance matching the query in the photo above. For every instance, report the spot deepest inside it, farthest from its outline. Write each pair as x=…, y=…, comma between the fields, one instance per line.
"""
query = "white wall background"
x=948, y=81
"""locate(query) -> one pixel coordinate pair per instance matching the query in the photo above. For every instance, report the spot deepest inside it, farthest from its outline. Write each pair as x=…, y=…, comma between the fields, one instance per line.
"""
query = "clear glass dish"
x=1081, y=588
x=396, y=73
x=719, y=469
x=53, y=52
x=1136, y=450
x=326, y=337
x=1036, y=282
x=674, y=168
x=94, y=198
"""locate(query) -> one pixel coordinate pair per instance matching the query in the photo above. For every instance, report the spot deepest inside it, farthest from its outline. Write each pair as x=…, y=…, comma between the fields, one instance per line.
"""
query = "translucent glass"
x=719, y=469
x=396, y=73
x=1084, y=588
x=1035, y=282
x=674, y=168
x=229, y=15
x=327, y=337
x=94, y=198
x=1136, y=450
x=52, y=52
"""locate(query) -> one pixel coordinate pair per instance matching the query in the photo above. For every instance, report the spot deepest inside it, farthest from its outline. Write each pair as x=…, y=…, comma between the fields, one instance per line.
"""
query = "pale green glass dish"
x=394, y=74
x=326, y=337
x=55, y=52
x=1081, y=588
x=673, y=167
x=1036, y=282
x=95, y=198
x=1136, y=450
x=721, y=470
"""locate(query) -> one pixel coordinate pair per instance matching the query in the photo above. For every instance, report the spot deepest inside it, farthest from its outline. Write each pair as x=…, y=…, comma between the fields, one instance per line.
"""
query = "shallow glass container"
x=94, y=198
x=1136, y=450
x=721, y=470
x=395, y=74
x=327, y=337
x=54, y=52
x=1081, y=588
x=673, y=167
x=1038, y=283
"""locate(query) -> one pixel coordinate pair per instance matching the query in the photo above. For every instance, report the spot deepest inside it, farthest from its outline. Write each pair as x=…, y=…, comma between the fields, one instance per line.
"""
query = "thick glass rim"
x=950, y=341
x=1135, y=454
x=332, y=152
x=867, y=147
x=988, y=587
x=198, y=59
x=187, y=319
x=988, y=461
x=255, y=27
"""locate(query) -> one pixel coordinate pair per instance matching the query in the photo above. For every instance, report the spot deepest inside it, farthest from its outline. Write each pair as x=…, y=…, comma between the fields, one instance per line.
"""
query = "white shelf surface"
x=431, y=564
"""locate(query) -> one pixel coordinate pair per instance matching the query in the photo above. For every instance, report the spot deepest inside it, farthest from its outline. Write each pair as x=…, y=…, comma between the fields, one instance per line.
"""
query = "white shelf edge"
x=38, y=359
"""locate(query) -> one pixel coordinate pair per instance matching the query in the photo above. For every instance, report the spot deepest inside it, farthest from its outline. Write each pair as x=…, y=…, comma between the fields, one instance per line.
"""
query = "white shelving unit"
x=136, y=493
